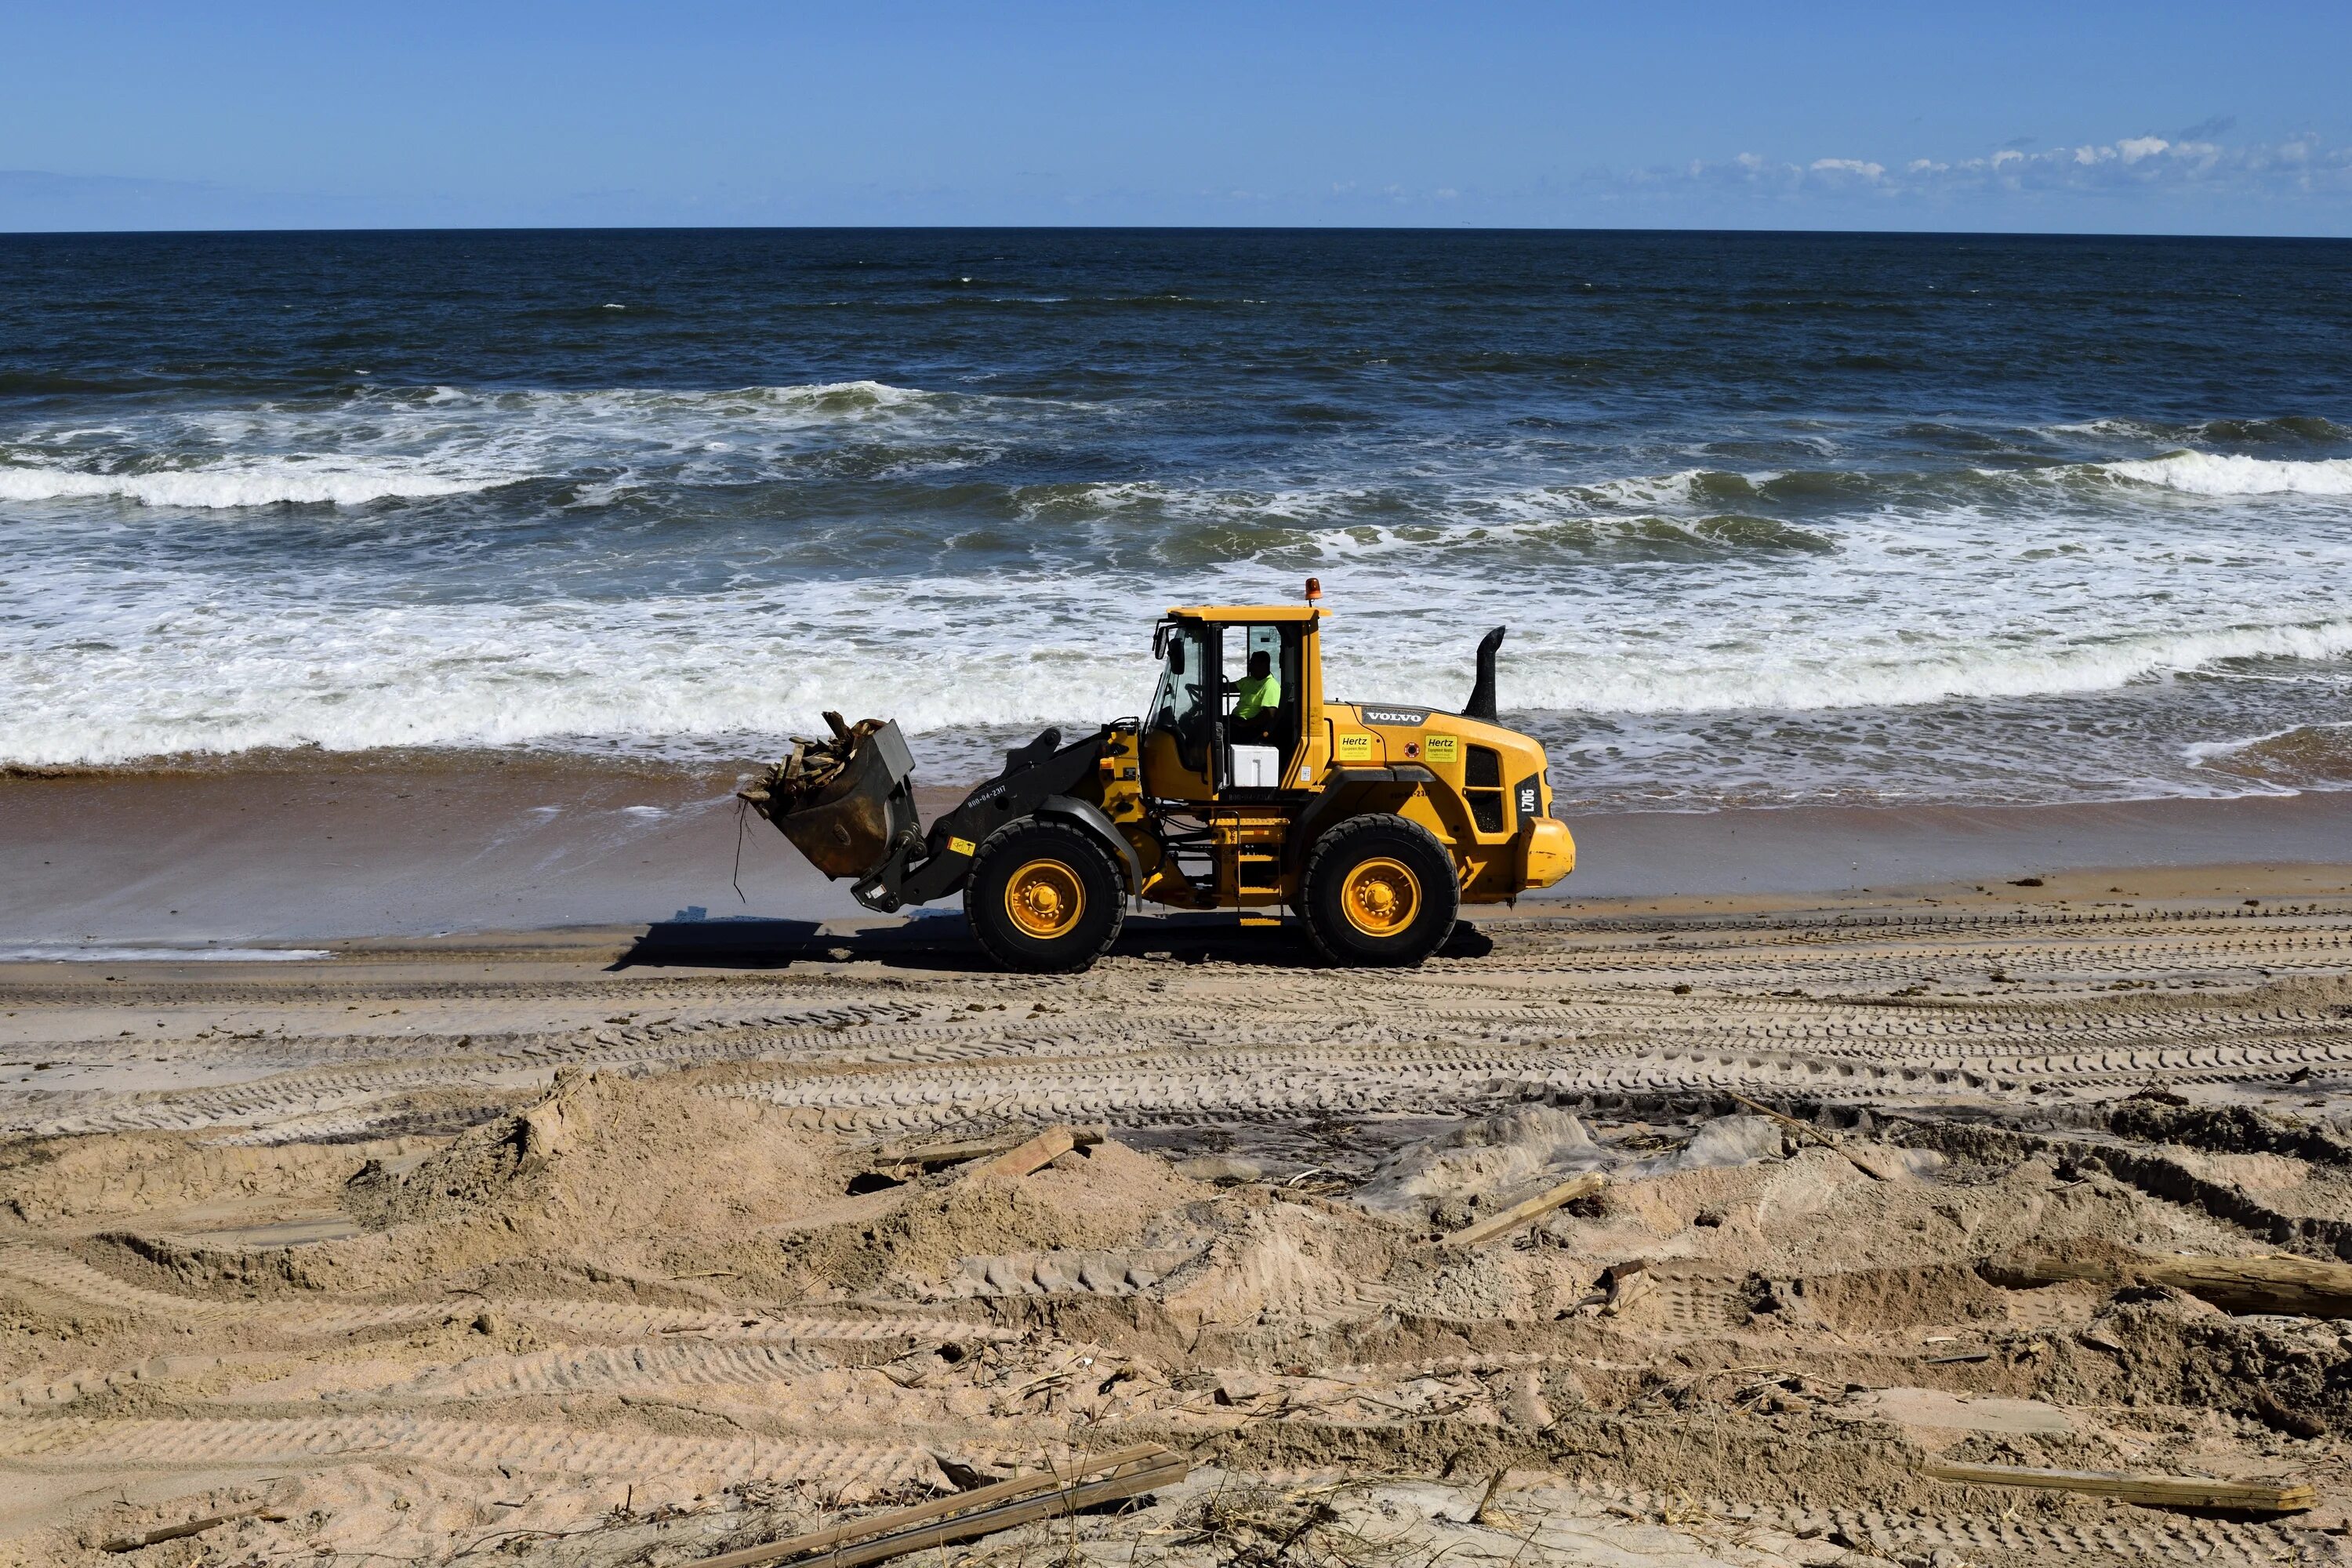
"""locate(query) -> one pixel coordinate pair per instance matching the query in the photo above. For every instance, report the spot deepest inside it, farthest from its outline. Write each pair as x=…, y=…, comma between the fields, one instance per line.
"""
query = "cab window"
x=1180, y=705
x=1274, y=697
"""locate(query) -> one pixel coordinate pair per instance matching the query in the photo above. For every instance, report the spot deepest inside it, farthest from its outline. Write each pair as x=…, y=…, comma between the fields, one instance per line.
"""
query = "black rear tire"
x=1044, y=897
x=1380, y=889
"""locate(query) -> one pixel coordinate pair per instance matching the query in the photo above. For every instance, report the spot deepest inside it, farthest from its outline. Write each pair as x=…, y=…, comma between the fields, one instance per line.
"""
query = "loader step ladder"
x=1249, y=862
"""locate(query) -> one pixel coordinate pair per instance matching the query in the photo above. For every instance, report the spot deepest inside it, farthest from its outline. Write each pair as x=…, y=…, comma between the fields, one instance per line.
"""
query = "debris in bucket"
x=809, y=768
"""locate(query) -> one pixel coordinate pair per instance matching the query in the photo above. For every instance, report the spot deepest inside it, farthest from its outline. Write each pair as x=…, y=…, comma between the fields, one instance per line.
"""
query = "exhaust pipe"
x=1482, y=696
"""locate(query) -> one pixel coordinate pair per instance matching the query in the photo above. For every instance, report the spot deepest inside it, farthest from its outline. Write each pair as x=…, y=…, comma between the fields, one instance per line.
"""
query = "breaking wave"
x=2224, y=474
x=695, y=573
x=422, y=443
x=123, y=676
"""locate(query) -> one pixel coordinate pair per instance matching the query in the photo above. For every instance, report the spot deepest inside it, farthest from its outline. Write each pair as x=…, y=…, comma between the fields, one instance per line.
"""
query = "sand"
x=322, y=847
x=591, y=1246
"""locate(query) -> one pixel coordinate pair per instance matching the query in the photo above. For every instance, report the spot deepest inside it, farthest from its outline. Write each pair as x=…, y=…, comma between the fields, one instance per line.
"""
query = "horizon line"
x=7, y=233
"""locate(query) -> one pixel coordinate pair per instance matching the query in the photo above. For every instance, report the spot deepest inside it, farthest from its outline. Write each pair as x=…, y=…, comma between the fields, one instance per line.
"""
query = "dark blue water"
x=1772, y=517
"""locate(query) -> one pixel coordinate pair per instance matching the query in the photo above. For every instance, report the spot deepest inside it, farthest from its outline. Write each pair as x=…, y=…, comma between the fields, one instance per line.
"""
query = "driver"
x=1260, y=693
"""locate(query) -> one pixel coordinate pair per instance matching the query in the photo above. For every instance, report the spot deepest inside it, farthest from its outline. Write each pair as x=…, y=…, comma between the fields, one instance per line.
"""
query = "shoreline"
x=188, y=858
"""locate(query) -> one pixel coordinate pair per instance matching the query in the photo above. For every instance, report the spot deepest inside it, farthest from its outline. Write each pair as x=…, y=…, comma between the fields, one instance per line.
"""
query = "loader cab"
x=1195, y=747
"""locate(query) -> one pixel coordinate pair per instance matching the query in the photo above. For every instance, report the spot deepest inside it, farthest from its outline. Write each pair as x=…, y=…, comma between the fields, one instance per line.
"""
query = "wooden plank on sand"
x=2300, y=1287
x=956, y=1153
x=1124, y=1473
x=2149, y=1491
x=193, y=1527
x=1518, y=1214
x=1035, y=1155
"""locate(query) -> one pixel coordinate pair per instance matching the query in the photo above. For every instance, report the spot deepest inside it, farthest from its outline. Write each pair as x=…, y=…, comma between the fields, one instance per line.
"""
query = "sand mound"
x=604, y=1155
x=913, y=1240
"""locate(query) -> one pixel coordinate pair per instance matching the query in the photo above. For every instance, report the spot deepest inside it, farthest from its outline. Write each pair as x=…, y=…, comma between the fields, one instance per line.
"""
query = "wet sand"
x=325, y=853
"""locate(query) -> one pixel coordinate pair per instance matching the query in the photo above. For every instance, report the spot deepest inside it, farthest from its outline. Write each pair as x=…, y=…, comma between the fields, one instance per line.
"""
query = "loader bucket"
x=848, y=830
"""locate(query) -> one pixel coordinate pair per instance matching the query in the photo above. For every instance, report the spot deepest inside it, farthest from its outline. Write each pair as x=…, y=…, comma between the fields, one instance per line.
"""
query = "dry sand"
x=590, y=1248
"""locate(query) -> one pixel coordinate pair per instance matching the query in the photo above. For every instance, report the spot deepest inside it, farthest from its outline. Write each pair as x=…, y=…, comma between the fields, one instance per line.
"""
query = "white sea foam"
x=133, y=671
x=443, y=441
x=2205, y=754
x=690, y=620
x=269, y=483
x=2221, y=473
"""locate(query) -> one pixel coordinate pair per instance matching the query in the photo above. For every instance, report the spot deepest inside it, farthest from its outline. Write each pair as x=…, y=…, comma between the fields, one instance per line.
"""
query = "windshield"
x=1178, y=697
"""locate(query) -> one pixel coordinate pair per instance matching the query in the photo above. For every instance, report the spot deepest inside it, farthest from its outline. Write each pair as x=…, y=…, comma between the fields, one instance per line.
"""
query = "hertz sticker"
x=958, y=845
x=1444, y=748
x=1355, y=748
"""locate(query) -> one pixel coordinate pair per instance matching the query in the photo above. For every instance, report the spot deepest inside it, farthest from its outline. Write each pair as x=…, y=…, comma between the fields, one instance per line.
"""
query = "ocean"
x=1773, y=519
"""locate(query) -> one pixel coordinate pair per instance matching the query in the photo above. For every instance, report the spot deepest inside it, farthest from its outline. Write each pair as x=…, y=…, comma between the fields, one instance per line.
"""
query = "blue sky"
x=2086, y=118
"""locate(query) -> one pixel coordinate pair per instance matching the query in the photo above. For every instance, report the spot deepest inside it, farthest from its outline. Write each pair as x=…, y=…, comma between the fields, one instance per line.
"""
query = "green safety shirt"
x=1258, y=694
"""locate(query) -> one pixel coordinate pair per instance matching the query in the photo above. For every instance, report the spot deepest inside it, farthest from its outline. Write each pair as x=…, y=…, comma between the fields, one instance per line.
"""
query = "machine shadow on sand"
x=944, y=942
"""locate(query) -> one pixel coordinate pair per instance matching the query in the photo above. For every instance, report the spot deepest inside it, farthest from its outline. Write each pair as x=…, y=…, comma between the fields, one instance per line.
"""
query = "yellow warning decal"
x=958, y=845
x=1443, y=748
x=1355, y=748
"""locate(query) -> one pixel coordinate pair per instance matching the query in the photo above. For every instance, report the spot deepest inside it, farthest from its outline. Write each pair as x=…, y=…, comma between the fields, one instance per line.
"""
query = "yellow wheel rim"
x=1044, y=900
x=1381, y=897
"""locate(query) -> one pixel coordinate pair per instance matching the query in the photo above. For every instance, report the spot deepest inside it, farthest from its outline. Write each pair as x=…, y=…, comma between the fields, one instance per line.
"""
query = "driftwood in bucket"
x=809, y=768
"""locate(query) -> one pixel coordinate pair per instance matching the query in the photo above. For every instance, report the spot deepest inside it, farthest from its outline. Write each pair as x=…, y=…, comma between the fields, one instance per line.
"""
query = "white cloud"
x=2298, y=168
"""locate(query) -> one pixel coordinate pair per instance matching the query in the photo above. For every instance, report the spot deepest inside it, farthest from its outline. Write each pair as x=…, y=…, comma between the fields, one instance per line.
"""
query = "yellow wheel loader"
x=1242, y=787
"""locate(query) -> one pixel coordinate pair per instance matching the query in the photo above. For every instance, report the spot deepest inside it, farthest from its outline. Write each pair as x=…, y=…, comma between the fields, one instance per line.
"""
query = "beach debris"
x=933, y=1156
x=1267, y=1525
x=1222, y=1170
x=2131, y=1486
x=161, y=1533
x=1518, y=1213
x=1528, y=1146
x=1623, y=1284
x=1877, y=1164
x=2297, y=1287
x=1037, y=1153
x=812, y=766
x=1007, y=1505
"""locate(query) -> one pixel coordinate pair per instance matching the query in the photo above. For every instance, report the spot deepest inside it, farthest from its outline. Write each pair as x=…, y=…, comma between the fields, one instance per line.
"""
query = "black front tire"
x=1064, y=865
x=1360, y=857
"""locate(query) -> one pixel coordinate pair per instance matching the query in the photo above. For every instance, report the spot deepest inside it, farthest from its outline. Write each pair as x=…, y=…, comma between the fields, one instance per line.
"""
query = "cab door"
x=1182, y=727
x=1243, y=648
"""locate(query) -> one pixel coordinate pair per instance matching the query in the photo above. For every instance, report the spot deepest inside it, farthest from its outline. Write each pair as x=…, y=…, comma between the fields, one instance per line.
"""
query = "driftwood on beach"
x=1109, y=1478
x=2135, y=1486
x=2301, y=1287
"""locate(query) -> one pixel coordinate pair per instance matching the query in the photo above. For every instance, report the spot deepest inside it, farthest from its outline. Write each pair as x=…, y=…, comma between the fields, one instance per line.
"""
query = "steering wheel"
x=1165, y=719
x=1193, y=728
